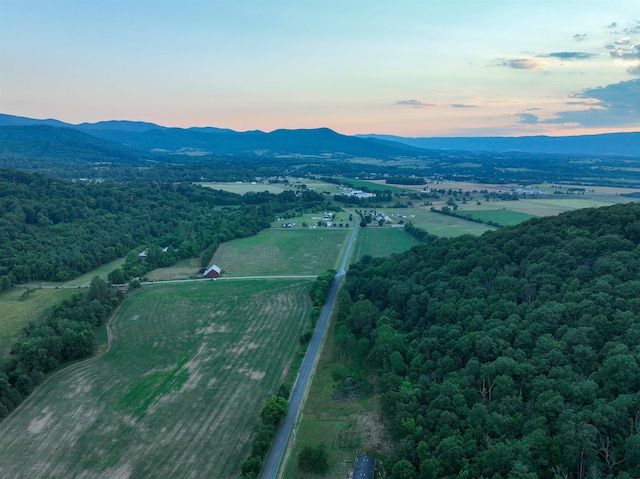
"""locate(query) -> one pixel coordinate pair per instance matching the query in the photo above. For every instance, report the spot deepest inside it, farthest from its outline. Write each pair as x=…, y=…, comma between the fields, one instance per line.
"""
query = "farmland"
x=163, y=401
x=283, y=251
x=375, y=241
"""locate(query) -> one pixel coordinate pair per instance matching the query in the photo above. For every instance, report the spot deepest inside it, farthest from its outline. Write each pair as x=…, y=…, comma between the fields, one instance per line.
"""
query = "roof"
x=213, y=268
x=364, y=468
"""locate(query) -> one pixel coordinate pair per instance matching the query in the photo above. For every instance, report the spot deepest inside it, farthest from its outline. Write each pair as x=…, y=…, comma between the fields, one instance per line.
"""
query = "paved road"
x=273, y=461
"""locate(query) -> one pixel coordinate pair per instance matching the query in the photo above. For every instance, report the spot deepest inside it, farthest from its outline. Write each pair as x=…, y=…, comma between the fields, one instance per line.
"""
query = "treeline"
x=270, y=417
x=54, y=230
x=64, y=334
x=509, y=355
x=418, y=233
x=467, y=216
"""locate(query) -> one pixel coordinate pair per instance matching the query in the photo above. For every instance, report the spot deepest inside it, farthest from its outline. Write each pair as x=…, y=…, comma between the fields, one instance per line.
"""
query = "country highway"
x=274, y=459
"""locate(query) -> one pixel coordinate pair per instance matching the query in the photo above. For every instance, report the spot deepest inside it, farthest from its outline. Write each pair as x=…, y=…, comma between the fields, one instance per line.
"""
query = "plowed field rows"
x=177, y=395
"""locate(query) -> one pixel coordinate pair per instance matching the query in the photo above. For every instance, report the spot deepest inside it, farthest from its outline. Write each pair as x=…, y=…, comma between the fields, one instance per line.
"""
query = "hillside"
x=514, y=354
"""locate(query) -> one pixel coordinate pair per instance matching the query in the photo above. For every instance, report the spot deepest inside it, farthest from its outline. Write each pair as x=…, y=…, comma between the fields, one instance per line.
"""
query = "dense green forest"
x=510, y=355
x=54, y=230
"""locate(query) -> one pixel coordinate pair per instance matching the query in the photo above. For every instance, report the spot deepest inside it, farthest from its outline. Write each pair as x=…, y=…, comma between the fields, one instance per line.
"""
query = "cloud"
x=614, y=105
x=624, y=49
x=520, y=64
x=634, y=29
x=634, y=70
x=571, y=55
x=527, y=118
x=612, y=26
x=578, y=37
x=534, y=109
x=414, y=103
x=461, y=105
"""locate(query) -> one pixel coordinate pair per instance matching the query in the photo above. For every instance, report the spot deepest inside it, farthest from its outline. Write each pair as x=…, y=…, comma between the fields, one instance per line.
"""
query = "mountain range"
x=131, y=137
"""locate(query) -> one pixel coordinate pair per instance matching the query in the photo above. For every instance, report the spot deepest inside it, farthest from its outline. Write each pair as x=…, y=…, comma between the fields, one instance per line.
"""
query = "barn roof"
x=212, y=268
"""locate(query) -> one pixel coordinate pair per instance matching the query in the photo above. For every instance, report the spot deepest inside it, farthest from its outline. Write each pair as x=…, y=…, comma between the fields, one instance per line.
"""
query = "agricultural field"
x=18, y=309
x=283, y=251
x=381, y=241
x=178, y=393
x=377, y=185
x=184, y=269
x=254, y=187
x=437, y=224
x=502, y=217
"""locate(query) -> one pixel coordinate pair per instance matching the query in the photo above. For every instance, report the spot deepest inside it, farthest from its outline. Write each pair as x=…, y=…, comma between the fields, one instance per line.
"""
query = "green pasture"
x=17, y=310
x=283, y=251
x=177, y=395
x=102, y=271
x=371, y=186
x=438, y=224
x=381, y=241
x=502, y=217
x=244, y=188
x=183, y=269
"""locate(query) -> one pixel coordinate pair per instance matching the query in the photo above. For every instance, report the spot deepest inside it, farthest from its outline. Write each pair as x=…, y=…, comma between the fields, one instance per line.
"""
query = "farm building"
x=213, y=272
x=364, y=468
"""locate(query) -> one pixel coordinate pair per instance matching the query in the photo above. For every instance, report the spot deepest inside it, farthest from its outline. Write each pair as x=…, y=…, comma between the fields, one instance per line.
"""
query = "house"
x=364, y=468
x=213, y=272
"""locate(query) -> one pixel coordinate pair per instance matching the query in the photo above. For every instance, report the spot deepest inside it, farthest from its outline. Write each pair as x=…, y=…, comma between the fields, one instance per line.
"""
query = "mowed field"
x=283, y=251
x=17, y=311
x=177, y=395
x=381, y=241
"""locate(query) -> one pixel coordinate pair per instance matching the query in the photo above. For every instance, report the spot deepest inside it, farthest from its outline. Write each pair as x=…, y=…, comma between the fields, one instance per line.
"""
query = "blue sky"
x=411, y=68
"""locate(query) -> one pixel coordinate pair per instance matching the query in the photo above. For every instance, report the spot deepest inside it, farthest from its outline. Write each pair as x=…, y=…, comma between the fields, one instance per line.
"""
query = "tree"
x=275, y=410
x=314, y=459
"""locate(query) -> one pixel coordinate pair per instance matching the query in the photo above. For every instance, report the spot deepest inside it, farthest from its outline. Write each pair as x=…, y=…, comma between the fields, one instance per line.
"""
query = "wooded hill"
x=510, y=355
x=55, y=230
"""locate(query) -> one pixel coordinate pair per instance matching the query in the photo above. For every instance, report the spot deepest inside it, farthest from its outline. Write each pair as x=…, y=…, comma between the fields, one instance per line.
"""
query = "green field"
x=17, y=311
x=177, y=395
x=381, y=241
x=437, y=224
x=371, y=186
x=103, y=271
x=184, y=269
x=283, y=251
x=502, y=217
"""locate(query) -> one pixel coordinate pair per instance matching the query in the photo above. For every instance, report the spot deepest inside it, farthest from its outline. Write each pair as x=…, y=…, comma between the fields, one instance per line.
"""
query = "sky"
x=412, y=68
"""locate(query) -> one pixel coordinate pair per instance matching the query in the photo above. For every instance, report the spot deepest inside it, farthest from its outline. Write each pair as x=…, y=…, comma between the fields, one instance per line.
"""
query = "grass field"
x=177, y=395
x=345, y=427
x=283, y=251
x=18, y=311
x=103, y=271
x=383, y=241
x=374, y=186
x=181, y=270
x=437, y=224
x=502, y=217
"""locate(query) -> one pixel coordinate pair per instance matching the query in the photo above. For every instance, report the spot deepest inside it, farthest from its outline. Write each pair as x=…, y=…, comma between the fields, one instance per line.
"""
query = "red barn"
x=213, y=272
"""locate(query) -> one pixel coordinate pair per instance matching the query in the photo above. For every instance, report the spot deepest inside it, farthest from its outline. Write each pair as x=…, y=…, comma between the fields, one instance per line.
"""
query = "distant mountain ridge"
x=152, y=138
x=624, y=144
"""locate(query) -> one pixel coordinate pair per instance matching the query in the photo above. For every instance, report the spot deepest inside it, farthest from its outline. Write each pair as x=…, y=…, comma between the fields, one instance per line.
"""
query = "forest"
x=55, y=230
x=509, y=355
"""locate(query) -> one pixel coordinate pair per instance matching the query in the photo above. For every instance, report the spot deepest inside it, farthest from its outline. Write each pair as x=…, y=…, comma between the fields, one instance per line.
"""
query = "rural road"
x=274, y=459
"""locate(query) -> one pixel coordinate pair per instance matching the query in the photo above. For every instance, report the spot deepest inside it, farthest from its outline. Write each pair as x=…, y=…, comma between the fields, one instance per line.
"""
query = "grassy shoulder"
x=336, y=415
